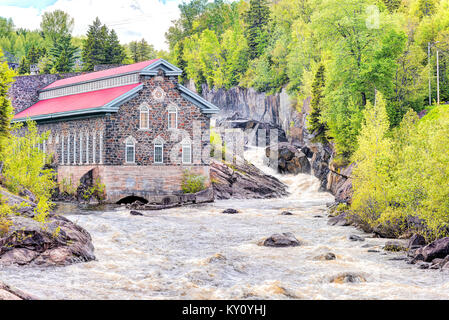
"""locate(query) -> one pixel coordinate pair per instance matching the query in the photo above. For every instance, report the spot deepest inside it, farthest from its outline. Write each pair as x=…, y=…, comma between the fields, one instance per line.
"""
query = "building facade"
x=134, y=126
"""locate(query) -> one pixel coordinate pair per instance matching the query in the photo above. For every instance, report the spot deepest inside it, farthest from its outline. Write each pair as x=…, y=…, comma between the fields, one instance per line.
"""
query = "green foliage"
x=23, y=164
x=315, y=123
x=101, y=47
x=67, y=186
x=403, y=173
x=192, y=183
x=140, y=51
x=6, y=110
x=63, y=55
x=56, y=25
x=96, y=191
x=257, y=18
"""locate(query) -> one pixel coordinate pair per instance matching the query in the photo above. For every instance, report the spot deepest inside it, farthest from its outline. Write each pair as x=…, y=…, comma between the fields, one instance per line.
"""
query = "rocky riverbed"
x=258, y=252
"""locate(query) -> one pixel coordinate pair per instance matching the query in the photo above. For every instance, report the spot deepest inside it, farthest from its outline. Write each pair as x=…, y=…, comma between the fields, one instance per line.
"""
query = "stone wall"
x=24, y=91
x=126, y=123
x=98, y=143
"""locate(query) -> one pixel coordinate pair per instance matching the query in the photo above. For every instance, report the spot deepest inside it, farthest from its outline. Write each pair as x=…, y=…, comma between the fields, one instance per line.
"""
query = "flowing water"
x=197, y=252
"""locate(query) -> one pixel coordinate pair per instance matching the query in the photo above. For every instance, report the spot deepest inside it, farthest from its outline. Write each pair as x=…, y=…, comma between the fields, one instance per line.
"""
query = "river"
x=197, y=252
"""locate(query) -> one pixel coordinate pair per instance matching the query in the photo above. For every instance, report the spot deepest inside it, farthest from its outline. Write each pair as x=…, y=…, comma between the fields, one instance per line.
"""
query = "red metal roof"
x=81, y=101
x=101, y=74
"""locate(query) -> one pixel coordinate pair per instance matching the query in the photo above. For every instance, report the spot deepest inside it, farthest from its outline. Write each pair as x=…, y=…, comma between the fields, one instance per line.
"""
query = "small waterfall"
x=301, y=186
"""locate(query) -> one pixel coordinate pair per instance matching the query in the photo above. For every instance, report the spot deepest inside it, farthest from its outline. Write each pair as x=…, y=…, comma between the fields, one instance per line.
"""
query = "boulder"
x=286, y=213
x=60, y=242
x=244, y=181
x=230, y=211
x=348, y=277
x=354, y=237
x=437, y=249
x=416, y=241
x=135, y=213
x=394, y=246
x=326, y=257
x=290, y=159
x=340, y=220
x=287, y=239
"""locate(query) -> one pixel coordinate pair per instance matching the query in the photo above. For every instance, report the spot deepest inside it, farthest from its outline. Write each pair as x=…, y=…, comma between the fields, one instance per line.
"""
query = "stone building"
x=133, y=127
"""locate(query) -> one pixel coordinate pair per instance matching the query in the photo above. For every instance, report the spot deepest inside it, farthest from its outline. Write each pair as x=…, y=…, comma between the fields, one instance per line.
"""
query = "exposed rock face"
x=10, y=293
x=24, y=206
x=277, y=109
x=287, y=239
x=290, y=159
x=244, y=181
x=28, y=243
x=253, y=129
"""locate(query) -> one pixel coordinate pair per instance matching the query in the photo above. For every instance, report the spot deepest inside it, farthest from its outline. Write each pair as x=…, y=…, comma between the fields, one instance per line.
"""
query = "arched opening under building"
x=132, y=199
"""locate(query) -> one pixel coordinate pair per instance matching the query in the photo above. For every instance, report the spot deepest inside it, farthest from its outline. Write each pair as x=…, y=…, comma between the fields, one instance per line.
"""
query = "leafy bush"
x=23, y=165
x=192, y=183
x=403, y=174
x=97, y=191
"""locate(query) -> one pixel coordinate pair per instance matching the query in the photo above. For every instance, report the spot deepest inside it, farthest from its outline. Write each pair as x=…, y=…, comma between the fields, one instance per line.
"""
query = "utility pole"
x=430, y=74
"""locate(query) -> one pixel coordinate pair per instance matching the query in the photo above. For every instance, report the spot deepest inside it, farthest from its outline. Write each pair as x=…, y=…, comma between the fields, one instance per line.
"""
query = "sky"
x=131, y=19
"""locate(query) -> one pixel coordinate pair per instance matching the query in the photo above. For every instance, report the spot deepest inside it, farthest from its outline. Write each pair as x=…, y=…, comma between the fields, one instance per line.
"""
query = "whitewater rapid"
x=197, y=252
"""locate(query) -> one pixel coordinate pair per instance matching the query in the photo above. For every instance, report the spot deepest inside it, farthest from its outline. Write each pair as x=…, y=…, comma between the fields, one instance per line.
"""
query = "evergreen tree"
x=6, y=110
x=257, y=19
x=315, y=123
x=63, y=55
x=24, y=66
x=114, y=51
x=93, y=52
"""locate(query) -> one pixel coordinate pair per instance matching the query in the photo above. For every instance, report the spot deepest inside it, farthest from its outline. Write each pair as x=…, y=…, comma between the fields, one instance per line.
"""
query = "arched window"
x=172, y=117
x=186, y=151
x=130, y=150
x=158, y=150
x=144, y=117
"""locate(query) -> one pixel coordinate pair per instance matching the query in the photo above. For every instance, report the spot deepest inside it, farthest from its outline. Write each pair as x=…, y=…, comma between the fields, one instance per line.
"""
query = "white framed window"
x=130, y=150
x=144, y=117
x=186, y=153
x=172, y=117
x=158, y=153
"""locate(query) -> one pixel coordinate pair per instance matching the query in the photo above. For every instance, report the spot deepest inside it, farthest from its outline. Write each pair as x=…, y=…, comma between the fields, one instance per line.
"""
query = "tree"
x=372, y=158
x=141, y=51
x=6, y=110
x=115, y=53
x=24, y=66
x=94, y=46
x=315, y=123
x=56, y=24
x=63, y=55
x=257, y=19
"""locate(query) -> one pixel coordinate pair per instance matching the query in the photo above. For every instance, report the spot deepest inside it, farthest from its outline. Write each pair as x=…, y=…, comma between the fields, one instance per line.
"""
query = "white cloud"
x=131, y=19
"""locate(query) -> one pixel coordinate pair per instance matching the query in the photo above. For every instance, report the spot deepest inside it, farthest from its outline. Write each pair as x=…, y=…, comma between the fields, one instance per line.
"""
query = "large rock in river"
x=58, y=242
x=244, y=181
x=437, y=249
x=290, y=159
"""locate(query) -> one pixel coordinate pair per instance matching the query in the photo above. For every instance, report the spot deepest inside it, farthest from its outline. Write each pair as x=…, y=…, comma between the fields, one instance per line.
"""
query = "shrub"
x=97, y=191
x=192, y=183
x=402, y=175
x=23, y=166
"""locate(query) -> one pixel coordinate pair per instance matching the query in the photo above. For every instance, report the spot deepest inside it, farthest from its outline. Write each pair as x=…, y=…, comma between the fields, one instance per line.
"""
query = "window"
x=187, y=153
x=158, y=153
x=172, y=117
x=130, y=150
x=144, y=117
